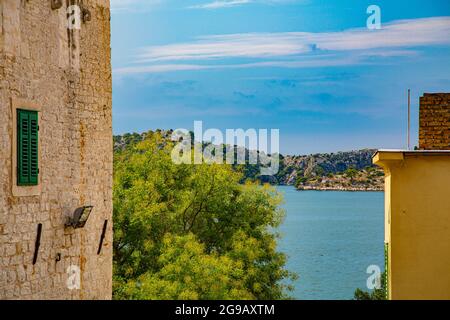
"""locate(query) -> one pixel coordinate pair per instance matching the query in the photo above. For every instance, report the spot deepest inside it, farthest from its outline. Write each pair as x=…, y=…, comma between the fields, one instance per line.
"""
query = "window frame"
x=30, y=175
x=19, y=190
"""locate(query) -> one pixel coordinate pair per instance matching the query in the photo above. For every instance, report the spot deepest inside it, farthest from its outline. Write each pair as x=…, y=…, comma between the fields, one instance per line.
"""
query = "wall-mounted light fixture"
x=79, y=217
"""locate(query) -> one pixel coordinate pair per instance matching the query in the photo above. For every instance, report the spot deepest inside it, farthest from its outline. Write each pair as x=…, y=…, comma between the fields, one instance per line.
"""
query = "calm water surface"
x=331, y=238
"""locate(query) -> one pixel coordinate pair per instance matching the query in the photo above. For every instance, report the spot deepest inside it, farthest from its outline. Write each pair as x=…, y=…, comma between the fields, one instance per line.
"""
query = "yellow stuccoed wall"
x=417, y=223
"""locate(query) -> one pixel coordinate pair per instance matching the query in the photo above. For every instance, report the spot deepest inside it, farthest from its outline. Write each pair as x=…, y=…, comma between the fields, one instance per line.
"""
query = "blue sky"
x=310, y=68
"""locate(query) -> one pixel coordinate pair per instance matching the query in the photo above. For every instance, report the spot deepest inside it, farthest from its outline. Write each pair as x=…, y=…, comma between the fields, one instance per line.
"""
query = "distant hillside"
x=351, y=170
x=123, y=141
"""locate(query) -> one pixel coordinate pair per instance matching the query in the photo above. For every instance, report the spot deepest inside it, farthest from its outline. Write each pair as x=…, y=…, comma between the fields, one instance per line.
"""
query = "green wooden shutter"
x=34, y=164
x=27, y=148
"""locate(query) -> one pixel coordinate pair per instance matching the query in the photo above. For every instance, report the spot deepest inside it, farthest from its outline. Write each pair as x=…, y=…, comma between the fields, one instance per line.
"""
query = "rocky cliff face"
x=351, y=170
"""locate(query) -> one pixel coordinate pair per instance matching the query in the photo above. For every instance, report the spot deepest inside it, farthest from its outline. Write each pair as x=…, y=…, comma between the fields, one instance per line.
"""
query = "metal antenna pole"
x=409, y=119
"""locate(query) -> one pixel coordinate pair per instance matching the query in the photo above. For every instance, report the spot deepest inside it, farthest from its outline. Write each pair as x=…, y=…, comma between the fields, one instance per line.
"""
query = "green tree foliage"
x=376, y=294
x=192, y=231
x=319, y=171
x=300, y=181
x=351, y=173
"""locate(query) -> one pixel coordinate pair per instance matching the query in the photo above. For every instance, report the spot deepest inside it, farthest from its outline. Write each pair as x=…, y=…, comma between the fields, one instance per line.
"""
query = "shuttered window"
x=27, y=148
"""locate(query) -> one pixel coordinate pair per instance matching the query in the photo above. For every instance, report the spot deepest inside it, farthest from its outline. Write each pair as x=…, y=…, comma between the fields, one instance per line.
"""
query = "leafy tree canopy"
x=192, y=231
x=376, y=294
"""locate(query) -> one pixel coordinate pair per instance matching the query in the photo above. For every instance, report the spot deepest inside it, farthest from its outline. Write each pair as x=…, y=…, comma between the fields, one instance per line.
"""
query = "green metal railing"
x=386, y=270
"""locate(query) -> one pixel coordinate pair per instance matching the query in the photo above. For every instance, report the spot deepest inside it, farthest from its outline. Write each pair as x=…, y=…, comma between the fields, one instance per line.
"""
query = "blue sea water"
x=330, y=239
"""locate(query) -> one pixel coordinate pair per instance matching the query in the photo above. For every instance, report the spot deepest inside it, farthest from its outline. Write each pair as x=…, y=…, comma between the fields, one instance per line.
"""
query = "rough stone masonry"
x=55, y=59
x=434, y=123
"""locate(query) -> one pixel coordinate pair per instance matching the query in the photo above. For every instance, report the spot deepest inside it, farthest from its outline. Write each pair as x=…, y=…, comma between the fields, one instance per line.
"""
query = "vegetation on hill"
x=351, y=170
x=367, y=179
x=191, y=231
x=376, y=294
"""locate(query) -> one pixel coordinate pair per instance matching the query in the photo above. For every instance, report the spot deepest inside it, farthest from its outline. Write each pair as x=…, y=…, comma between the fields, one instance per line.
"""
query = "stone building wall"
x=434, y=123
x=66, y=74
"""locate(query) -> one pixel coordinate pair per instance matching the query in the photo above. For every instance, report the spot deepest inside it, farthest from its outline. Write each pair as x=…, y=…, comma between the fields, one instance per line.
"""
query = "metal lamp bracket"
x=86, y=15
x=56, y=4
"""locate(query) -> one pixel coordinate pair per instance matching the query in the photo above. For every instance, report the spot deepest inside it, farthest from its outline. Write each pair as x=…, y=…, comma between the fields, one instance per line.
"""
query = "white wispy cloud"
x=218, y=4
x=306, y=62
x=221, y=4
x=405, y=33
x=119, y=6
x=295, y=49
x=226, y=46
x=132, y=5
x=159, y=68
